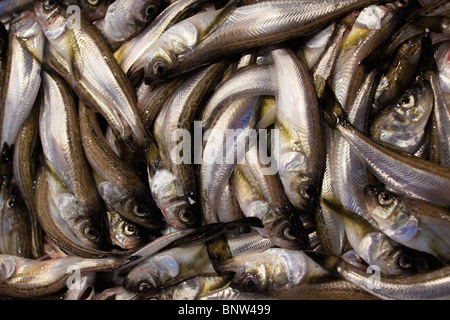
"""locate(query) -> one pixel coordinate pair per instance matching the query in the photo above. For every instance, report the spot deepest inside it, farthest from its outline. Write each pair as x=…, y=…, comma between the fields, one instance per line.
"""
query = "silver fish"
x=401, y=219
x=402, y=125
x=26, y=278
x=301, y=155
x=409, y=176
x=206, y=37
x=117, y=183
x=125, y=19
x=78, y=53
x=424, y=286
x=23, y=74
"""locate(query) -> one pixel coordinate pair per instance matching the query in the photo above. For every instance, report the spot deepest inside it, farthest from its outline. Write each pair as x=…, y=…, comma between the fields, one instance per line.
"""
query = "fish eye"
x=291, y=233
x=49, y=4
x=250, y=283
x=11, y=202
x=150, y=12
x=140, y=211
x=307, y=192
x=91, y=233
x=144, y=286
x=129, y=229
x=93, y=2
x=385, y=199
x=407, y=101
x=160, y=69
x=405, y=261
x=186, y=215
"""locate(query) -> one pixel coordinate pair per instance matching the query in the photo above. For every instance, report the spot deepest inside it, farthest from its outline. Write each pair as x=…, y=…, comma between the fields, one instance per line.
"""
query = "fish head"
x=177, y=206
x=163, y=58
x=250, y=273
x=285, y=231
x=403, y=123
x=381, y=204
x=51, y=16
x=180, y=214
x=86, y=224
x=146, y=10
x=134, y=205
x=124, y=233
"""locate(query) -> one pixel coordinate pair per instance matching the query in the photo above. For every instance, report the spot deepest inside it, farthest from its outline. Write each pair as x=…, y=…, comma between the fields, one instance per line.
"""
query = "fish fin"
x=221, y=17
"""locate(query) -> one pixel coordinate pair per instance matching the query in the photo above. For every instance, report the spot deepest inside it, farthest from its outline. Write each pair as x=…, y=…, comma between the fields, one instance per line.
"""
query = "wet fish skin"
x=169, y=268
x=399, y=171
x=27, y=278
x=24, y=171
x=424, y=286
x=267, y=22
x=373, y=27
x=404, y=221
x=181, y=109
x=301, y=155
x=399, y=74
x=63, y=152
x=132, y=50
x=117, y=183
x=77, y=54
x=402, y=125
x=370, y=244
x=272, y=271
x=8, y=7
x=125, y=19
x=197, y=288
x=22, y=74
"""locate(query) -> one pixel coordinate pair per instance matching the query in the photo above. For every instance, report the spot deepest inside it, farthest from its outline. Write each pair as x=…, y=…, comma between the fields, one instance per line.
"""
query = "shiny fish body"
x=402, y=126
x=24, y=171
x=349, y=174
x=248, y=81
x=407, y=175
x=8, y=7
x=25, y=278
x=301, y=155
x=372, y=27
x=425, y=286
x=63, y=151
x=78, y=53
x=131, y=51
x=371, y=245
x=412, y=223
x=23, y=78
x=169, y=268
x=266, y=23
x=282, y=224
x=270, y=272
x=117, y=183
x=178, y=115
x=399, y=73
x=125, y=19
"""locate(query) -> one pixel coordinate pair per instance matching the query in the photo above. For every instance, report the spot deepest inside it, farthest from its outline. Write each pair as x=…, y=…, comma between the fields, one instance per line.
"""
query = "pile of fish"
x=209, y=149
